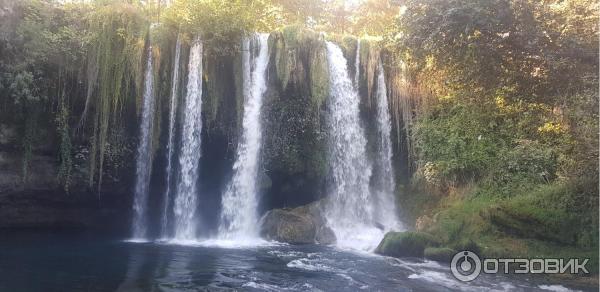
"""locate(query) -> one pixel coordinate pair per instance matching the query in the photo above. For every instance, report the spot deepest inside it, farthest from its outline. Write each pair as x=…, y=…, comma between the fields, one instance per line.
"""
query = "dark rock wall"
x=294, y=147
x=294, y=153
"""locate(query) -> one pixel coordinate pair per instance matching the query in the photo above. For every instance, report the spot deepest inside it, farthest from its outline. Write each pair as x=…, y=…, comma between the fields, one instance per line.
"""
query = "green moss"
x=298, y=51
x=319, y=74
x=405, y=244
x=282, y=58
x=66, y=162
x=117, y=48
x=440, y=254
x=536, y=223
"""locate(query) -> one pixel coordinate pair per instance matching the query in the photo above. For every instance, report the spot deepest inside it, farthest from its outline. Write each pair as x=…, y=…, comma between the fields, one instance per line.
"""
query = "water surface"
x=81, y=262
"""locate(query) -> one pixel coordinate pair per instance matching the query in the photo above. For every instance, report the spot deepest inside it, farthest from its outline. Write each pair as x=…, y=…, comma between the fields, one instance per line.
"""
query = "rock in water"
x=440, y=254
x=286, y=226
x=325, y=235
x=301, y=225
x=405, y=244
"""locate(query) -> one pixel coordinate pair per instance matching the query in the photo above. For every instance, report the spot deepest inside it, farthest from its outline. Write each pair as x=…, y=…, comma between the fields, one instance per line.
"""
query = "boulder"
x=286, y=226
x=405, y=244
x=301, y=225
x=325, y=235
x=440, y=254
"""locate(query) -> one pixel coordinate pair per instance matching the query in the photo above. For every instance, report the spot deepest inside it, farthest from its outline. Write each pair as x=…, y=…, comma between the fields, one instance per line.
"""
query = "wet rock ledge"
x=302, y=225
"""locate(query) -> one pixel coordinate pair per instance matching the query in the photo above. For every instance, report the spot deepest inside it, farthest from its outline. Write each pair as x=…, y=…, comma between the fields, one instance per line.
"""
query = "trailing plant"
x=65, y=152
x=117, y=41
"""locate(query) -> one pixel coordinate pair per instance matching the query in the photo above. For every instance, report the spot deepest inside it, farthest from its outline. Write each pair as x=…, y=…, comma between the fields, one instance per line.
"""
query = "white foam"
x=442, y=279
x=261, y=286
x=425, y=264
x=352, y=281
x=286, y=254
x=238, y=243
x=310, y=265
x=507, y=286
x=361, y=238
x=556, y=288
x=224, y=243
x=137, y=240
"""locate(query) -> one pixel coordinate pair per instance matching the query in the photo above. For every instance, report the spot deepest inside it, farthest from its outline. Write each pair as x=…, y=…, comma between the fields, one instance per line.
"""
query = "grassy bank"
x=557, y=220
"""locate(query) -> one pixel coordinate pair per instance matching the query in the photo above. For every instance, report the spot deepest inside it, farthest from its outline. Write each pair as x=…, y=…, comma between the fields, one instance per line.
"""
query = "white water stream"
x=239, y=217
x=143, y=159
x=172, y=112
x=189, y=158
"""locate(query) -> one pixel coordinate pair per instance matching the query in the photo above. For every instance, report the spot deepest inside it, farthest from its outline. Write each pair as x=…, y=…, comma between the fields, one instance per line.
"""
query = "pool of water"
x=81, y=262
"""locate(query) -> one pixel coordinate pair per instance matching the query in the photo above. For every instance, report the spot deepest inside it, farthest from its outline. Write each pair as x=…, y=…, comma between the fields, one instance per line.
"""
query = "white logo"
x=465, y=266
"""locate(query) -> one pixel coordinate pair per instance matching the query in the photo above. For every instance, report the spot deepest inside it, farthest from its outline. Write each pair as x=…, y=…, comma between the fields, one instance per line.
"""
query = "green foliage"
x=220, y=24
x=441, y=254
x=65, y=152
x=27, y=142
x=548, y=220
x=117, y=44
x=457, y=143
x=509, y=131
x=527, y=164
x=520, y=47
x=40, y=48
x=376, y=18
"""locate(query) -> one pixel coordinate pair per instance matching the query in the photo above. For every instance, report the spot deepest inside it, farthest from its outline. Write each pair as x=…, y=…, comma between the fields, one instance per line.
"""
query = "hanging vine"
x=62, y=127
x=114, y=75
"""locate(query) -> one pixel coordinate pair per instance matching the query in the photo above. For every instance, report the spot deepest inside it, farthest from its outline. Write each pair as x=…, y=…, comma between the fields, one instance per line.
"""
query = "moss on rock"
x=440, y=254
x=406, y=244
x=301, y=225
x=295, y=138
x=319, y=74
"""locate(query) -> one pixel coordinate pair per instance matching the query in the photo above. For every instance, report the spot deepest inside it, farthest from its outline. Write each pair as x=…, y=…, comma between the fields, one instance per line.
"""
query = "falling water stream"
x=384, y=188
x=143, y=159
x=172, y=113
x=357, y=65
x=239, y=203
x=189, y=157
x=349, y=211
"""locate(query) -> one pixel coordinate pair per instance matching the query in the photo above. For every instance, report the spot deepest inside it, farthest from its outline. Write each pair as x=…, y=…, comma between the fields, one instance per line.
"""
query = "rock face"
x=47, y=209
x=42, y=175
x=294, y=147
x=406, y=244
x=39, y=202
x=302, y=225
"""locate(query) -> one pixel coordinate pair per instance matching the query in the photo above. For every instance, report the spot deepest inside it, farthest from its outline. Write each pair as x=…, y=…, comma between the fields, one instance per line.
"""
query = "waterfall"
x=189, y=156
x=172, y=113
x=357, y=65
x=349, y=211
x=385, y=184
x=240, y=200
x=143, y=160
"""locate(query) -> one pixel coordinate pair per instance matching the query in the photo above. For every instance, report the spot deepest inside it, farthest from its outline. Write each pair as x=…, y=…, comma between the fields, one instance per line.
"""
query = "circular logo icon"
x=465, y=266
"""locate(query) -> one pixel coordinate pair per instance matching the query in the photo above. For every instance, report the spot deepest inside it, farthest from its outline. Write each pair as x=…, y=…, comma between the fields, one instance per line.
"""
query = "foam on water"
x=311, y=265
x=223, y=243
x=555, y=288
x=137, y=240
